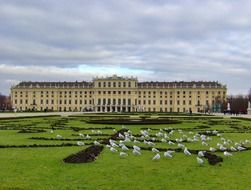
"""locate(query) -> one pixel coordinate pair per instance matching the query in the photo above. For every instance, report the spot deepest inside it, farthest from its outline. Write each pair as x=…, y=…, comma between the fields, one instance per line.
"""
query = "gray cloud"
x=155, y=40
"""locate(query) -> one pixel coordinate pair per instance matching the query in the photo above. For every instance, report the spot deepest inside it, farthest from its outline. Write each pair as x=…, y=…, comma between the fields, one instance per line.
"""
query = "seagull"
x=156, y=157
x=204, y=143
x=171, y=143
x=125, y=148
x=136, y=148
x=114, y=145
x=240, y=148
x=96, y=143
x=135, y=141
x=181, y=145
x=113, y=149
x=233, y=149
x=200, y=154
x=212, y=149
x=186, y=152
x=59, y=136
x=80, y=143
x=222, y=148
x=163, y=140
x=167, y=155
x=200, y=161
x=81, y=135
x=121, y=136
x=136, y=152
x=155, y=150
x=88, y=137
x=227, y=154
x=123, y=154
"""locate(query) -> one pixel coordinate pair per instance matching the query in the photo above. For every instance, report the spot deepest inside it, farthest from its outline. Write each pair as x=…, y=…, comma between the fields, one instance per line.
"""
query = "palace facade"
x=118, y=94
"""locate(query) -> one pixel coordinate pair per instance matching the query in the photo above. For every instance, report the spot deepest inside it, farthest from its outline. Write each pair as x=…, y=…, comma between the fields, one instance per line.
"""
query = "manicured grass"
x=43, y=168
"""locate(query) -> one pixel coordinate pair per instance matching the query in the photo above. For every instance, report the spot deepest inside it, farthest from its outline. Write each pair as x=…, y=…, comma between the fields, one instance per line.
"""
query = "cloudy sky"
x=51, y=40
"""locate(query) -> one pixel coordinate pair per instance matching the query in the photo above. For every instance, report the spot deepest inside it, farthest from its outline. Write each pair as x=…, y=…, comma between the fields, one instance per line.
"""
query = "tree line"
x=5, y=102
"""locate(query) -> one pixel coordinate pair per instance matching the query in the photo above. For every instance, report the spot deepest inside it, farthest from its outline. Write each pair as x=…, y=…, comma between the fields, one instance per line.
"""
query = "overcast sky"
x=164, y=40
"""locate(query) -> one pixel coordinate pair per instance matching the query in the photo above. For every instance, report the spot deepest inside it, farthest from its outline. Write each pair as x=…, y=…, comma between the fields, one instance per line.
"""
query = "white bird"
x=124, y=148
x=227, y=154
x=155, y=150
x=81, y=135
x=96, y=143
x=186, y=152
x=156, y=157
x=136, y=148
x=52, y=131
x=167, y=155
x=108, y=146
x=233, y=149
x=201, y=154
x=240, y=148
x=123, y=154
x=204, y=143
x=121, y=136
x=88, y=136
x=113, y=149
x=136, y=152
x=222, y=148
x=135, y=141
x=200, y=161
x=80, y=143
x=181, y=145
x=114, y=145
x=212, y=149
x=171, y=143
x=99, y=132
x=163, y=140
x=59, y=136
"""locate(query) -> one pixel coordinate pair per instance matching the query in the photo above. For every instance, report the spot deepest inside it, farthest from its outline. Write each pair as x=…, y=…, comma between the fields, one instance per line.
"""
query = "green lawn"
x=43, y=168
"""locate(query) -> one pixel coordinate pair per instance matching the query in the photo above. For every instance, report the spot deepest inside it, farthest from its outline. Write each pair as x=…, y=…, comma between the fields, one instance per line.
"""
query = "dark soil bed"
x=84, y=156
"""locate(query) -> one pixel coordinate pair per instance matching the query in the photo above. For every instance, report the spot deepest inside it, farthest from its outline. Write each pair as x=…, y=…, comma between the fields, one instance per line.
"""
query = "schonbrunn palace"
x=118, y=94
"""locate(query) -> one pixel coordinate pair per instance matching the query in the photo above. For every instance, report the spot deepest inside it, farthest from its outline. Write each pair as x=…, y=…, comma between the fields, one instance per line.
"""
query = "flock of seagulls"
x=177, y=138
x=165, y=135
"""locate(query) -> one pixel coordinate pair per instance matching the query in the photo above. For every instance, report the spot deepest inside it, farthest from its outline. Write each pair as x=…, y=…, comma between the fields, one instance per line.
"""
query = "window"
x=114, y=102
x=129, y=84
x=184, y=102
x=114, y=84
x=129, y=101
x=124, y=84
x=178, y=102
x=99, y=84
x=104, y=84
x=109, y=84
x=171, y=102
